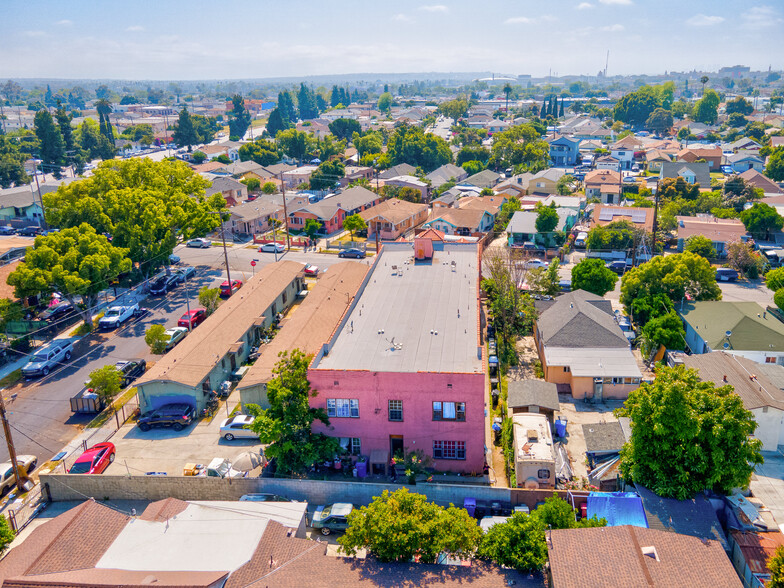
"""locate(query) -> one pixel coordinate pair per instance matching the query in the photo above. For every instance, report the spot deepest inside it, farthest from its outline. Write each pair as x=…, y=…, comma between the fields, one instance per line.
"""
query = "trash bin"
x=361, y=469
x=470, y=505
x=496, y=433
x=560, y=428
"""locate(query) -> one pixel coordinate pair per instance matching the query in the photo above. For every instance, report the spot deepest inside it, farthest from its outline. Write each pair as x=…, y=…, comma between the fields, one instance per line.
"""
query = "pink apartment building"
x=404, y=369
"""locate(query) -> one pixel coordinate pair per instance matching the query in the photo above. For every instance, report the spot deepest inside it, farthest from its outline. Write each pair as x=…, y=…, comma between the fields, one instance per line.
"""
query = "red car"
x=235, y=285
x=192, y=318
x=311, y=270
x=95, y=460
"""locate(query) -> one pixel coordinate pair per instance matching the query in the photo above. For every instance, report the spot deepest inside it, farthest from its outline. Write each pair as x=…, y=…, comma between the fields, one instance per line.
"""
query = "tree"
x=774, y=279
x=678, y=188
x=666, y=330
x=776, y=567
x=77, y=262
x=308, y=109
x=329, y=148
x=673, y=275
x=688, y=436
x=296, y=144
x=147, y=206
x=66, y=130
x=277, y=123
x=454, y=109
x=761, y=219
x=660, y=121
x=385, y=102
x=518, y=543
x=413, y=146
x=706, y=110
x=400, y=526
x=593, y=276
x=286, y=424
x=354, y=223
x=775, y=167
x=239, y=118
x=269, y=188
x=7, y=534
x=700, y=245
x=743, y=258
x=155, y=336
x=52, y=144
x=327, y=175
x=12, y=171
x=344, y=128
x=106, y=382
x=507, y=91
x=253, y=184
x=556, y=513
x=778, y=298
x=472, y=153
x=205, y=127
x=546, y=219
x=261, y=151
x=209, y=298
x=544, y=281
x=703, y=81
x=198, y=157
x=521, y=146
x=564, y=185
x=184, y=132
x=472, y=167
x=312, y=227
x=635, y=108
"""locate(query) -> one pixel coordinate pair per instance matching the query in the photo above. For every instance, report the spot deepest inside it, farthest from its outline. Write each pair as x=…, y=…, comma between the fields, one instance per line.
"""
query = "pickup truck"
x=116, y=316
x=48, y=358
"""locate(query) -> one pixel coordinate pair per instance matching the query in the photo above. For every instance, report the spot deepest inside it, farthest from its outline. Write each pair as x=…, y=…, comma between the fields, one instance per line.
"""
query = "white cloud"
x=135, y=29
x=34, y=34
x=623, y=2
x=401, y=18
x=703, y=20
x=758, y=17
x=528, y=20
x=434, y=8
x=616, y=28
x=64, y=23
x=584, y=5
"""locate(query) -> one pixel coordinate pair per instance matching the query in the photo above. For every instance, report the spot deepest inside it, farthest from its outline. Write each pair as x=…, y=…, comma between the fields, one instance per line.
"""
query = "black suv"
x=57, y=312
x=176, y=416
x=163, y=284
x=619, y=267
x=130, y=370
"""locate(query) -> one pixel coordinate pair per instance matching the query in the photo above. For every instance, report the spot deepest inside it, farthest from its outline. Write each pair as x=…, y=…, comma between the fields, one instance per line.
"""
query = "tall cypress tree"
x=555, y=106
x=334, y=97
x=52, y=144
x=561, y=111
x=64, y=122
x=185, y=133
x=543, y=110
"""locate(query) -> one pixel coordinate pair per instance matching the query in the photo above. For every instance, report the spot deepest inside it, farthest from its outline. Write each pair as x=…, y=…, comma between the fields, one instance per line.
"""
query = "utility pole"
x=225, y=252
x=11, y=448
x=655, y=217
x=285, y=213
x=40, y=198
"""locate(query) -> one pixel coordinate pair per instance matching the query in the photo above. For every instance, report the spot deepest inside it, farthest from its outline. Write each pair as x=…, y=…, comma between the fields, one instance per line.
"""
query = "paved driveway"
x=767, y=484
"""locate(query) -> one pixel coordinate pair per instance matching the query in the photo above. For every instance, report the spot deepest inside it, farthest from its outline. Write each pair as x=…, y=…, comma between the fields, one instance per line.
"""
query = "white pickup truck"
x=116, y=316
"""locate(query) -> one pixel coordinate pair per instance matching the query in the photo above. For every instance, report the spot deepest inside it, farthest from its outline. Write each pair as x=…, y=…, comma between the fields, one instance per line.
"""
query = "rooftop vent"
x=650, y=551
x=532, y=435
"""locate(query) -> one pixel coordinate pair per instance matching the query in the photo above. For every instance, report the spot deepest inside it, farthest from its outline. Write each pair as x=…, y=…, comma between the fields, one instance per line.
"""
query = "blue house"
x=564, y=151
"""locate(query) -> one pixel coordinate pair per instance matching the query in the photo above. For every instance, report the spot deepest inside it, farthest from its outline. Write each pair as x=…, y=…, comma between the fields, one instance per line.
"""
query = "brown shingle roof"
x=718, y=230
x=193, y=359
x=606, y=557
x=602, y=176
x=98, y=578
x=313, y=322
x=393, y=210
x=163, y=510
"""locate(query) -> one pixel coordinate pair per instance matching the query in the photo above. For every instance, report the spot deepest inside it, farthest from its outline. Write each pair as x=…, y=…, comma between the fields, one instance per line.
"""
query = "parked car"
x=532, y=263
x=48, y=358
x=220, y=467
x=635, y=168
x=192, y=318
x=353, y=252
x=30, y=231
x=7, y=477
x=727, y=170
x=272, y=248
x=579, y=241
x=185, y=273
x=333, y=517
x=174, y=259
x=565, y=285
x=130, y=370
x=163, y=284
x=235, y=285
x=726, y=274
x=238, y=427
x=95, y=460
x=619, y=266
x=199, y=243
x=7, y=230
x=311, y=270
x=629, y=180
x=175, y=336
x=55, y=313
x=116, y=316
x=176, y=416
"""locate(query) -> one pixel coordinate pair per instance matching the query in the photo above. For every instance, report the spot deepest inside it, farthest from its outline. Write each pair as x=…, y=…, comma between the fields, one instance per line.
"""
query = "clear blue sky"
x=166, y=39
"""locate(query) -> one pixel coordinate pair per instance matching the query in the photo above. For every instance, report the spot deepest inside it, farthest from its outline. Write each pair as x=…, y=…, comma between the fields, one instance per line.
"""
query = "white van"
x=580, y=240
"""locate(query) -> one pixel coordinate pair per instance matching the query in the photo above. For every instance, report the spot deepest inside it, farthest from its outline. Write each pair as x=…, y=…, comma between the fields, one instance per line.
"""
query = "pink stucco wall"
x=417, y=391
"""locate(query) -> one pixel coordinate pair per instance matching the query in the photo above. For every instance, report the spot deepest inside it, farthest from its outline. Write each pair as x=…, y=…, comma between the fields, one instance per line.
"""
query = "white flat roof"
x=206, y=536
x=537, y=448
x=594, y=361
x=419, y=317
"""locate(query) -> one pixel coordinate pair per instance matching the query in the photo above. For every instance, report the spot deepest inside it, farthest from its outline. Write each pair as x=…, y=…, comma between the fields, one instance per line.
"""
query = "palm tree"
x=507, y=91
x=703, y=81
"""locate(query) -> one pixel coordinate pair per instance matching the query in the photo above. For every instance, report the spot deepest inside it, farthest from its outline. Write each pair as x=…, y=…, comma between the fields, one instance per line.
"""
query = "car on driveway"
x=161, y=284
x=185, y=273
x=95, y=460
x=333, y=517
x=55, y=313
x=727, y=274
x=7, y=230
x=199, y=243
x=48, y=358
x=238, y=427
x=116, y=316
x=532, y=263
x=175, y=335
x=192, y=318
x=272, y=248
x=311, y=270
x=7, y=477
x=176, y=416
x=619, y=266
x=130, y=370
x=353, y=252
x=235, y=285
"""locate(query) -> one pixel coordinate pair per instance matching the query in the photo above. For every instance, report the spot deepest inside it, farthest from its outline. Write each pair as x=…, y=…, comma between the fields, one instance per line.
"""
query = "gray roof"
x=444, y=173
x=742, y=156
x=353, y=198
x=448, y=198
x=241, y=167
x=553, y=173
x=580, y=319
x=533, y=393
x=524, y=221
x=603, y=437
x=484, y=179
x=221, y=184
x=695, y=517
x=772, y=371
x=402, y=169
x=674, y=169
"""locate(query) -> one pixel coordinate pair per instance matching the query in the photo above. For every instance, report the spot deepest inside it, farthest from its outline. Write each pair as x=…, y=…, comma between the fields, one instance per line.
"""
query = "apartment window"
x=449, y=411
x=343, y=407
x=285, y=297
x=395, y=410
x=567, y=369
x=351, y=445
x=449, y=449
x=617, y=381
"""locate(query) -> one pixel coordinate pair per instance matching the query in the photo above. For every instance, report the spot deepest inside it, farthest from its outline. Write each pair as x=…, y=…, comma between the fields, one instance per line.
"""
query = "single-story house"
x=640, y=217
x=739, y=328
x=712, y=155
x=242, y=170
x=20, y=203
x=254, y=217
x=742, y=144
x=331, y=211
x=745, y=160
x=464, y=222
x=448, y=199
x=393, y=217
x=564, y=150
x=692, y=173
x=402, y=169
x=449, y=171
x=522, y=226
x=484, y=179
x=721, y=231
x=583, y=350
x=209, y=354
x=517, y=185
x=654, y=159
x=533, y=447
x=356, y=172
x=535, y=396
x=604, y=184
x=233, y=192
x=410, y=182
x=756, y=179
x=545, y=181
x=298, y=176
x=491, y=204
x=608, y=162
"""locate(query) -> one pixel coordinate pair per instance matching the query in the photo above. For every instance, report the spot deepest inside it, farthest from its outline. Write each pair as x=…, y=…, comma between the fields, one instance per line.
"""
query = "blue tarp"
x=619, y=508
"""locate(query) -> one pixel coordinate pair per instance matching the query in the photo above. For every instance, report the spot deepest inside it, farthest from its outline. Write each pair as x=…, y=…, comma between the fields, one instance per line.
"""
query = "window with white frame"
x=449, y=411
x=449, y=449
x=351, y=445
x=343, y=407
x=395, y=410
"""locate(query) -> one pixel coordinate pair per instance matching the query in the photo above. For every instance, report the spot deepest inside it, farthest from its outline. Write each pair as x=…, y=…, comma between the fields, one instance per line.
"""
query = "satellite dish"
x=728, y=333
x=726, y=346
